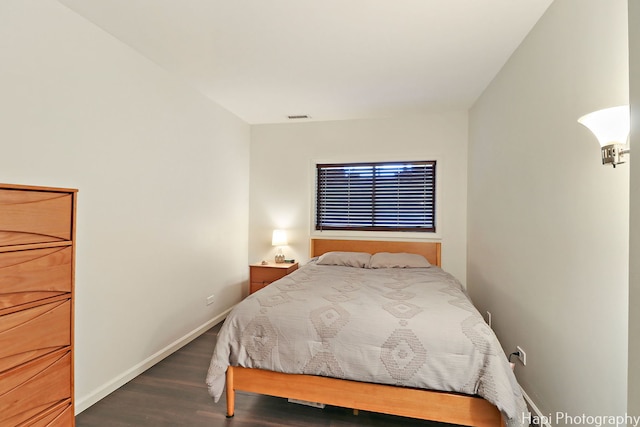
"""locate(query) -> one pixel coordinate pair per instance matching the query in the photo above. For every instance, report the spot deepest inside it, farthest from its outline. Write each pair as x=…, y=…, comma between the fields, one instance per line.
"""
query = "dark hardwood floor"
x=173, y=393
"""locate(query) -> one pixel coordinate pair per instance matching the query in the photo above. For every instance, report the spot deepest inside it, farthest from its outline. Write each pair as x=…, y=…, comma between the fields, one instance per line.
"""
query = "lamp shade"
x=279, y=238
x=610, y=126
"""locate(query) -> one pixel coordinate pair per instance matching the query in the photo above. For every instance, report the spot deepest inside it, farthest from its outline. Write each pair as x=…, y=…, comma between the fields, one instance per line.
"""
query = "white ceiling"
x=331, y=59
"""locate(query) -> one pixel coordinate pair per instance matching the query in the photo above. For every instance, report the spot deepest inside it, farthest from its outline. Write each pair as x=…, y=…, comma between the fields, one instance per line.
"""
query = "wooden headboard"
x=430, y=250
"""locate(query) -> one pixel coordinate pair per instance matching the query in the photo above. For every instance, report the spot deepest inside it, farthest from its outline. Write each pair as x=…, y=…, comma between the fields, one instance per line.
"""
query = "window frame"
x=382, y=232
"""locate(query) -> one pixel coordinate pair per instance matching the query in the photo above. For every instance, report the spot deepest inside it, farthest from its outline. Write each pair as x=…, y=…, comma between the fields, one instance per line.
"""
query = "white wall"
x=548, y=224
x=163, y=180
x=634, y=256
x=282, y=174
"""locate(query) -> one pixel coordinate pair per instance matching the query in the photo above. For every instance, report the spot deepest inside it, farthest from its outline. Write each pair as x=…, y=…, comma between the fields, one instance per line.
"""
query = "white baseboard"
x=537, y=414
x=85, y=402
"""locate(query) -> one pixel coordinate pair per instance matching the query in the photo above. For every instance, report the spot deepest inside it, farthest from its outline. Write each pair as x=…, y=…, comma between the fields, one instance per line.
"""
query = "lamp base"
x=279, y=258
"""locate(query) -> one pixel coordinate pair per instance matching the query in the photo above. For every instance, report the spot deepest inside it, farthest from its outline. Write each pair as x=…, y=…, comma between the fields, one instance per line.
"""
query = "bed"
x=391, y=371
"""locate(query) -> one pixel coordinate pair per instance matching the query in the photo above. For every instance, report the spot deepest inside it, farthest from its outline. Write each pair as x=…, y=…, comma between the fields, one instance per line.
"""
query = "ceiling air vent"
x=298, y=116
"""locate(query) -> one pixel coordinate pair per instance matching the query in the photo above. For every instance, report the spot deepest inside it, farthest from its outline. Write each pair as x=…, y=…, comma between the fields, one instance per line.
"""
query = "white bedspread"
x=412, y=327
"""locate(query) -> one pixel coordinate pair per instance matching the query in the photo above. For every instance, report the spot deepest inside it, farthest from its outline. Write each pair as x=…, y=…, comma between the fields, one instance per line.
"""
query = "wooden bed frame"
x=387, y=399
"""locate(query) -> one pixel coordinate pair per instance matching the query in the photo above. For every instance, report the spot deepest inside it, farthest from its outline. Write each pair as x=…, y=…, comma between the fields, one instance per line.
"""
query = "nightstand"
x=261, y=275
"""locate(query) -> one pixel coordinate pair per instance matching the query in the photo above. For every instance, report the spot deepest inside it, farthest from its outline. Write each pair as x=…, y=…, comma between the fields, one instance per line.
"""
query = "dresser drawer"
x=27, y=276
x=34, y=217
x=28, y=334
x=34, y=388
x=60, y=415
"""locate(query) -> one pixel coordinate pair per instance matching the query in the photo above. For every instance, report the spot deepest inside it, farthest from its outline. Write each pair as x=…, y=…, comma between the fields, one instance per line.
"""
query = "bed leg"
x=231, y=393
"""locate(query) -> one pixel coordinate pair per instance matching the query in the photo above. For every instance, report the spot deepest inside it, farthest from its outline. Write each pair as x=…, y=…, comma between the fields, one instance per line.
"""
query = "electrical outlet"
x=522, y=355
x=210, y=299
x=489, y=318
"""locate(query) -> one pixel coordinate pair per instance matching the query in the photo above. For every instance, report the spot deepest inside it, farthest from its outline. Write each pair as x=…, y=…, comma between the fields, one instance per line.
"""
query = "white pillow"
x=398, y=260
x=348, y=259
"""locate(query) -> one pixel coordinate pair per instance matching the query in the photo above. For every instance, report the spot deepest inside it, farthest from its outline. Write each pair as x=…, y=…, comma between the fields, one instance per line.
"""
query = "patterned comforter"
x=413, y=327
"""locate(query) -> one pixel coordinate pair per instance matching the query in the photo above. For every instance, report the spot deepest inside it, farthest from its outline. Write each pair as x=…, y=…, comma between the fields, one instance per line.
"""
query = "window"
x=389, y=196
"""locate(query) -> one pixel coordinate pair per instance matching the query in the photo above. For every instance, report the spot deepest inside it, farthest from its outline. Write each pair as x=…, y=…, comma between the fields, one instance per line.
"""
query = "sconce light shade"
x=611, y=127
x=279, y=238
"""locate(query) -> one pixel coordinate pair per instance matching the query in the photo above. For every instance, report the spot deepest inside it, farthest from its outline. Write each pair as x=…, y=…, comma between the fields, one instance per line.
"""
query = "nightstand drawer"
x=261, y=275
x=268, y=274
x=256, y=286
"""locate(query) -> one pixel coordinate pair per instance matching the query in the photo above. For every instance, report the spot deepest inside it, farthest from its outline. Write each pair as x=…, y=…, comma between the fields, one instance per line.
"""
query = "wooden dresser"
x=37, y=260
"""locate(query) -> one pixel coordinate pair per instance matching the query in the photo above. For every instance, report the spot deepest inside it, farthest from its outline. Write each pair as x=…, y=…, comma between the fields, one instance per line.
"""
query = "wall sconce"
x=611, y=126
x=279, y=239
